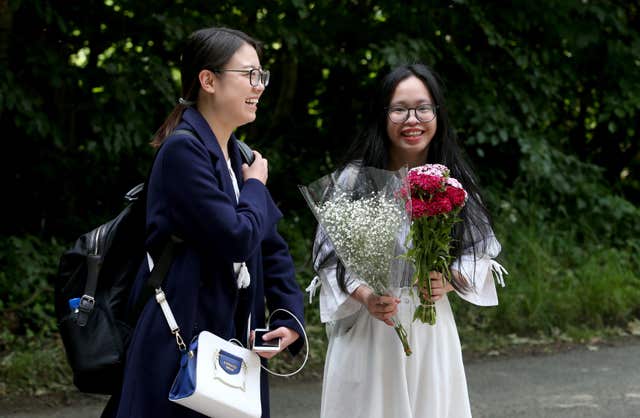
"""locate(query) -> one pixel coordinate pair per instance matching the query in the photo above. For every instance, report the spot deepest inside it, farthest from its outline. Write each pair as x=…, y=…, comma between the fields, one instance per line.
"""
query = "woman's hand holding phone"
x=268, y=348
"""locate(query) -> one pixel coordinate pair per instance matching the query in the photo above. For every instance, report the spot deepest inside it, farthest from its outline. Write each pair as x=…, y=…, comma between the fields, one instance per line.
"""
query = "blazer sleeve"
x=200, y=209
x=281, y=288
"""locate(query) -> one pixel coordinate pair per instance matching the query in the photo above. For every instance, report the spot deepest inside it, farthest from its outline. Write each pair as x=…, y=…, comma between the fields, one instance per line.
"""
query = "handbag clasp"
x=231, y=366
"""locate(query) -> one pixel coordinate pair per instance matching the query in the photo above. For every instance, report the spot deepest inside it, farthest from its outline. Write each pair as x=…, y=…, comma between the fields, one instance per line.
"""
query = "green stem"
x=402, y=334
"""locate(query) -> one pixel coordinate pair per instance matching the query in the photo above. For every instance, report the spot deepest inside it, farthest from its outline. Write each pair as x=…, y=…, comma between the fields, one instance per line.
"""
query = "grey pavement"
x=582, y=382
x=579, y=383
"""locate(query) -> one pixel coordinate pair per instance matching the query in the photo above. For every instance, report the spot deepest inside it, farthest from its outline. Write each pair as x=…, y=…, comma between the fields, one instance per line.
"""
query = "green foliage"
x=560, y=279
x=26, y=295
x=35, y=369
x=86, y=86
x=560, y=188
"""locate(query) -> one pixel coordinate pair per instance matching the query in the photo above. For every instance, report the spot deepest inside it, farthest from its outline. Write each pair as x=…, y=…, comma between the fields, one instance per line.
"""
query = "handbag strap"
x=158, y=272
x=161, y=298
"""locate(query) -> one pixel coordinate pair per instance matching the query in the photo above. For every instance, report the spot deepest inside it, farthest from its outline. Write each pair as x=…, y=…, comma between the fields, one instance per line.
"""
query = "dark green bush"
x=27, y=265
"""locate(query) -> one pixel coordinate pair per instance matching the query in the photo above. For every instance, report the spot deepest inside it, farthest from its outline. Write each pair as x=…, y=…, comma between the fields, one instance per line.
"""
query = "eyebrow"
x=404, y=103
x=251, y=66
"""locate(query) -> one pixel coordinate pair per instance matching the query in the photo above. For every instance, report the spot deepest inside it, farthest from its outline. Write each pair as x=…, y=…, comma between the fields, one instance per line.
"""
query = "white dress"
x=367, y=374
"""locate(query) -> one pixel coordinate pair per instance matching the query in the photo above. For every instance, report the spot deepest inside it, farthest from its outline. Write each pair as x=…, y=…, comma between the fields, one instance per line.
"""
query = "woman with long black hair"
x=367, y=373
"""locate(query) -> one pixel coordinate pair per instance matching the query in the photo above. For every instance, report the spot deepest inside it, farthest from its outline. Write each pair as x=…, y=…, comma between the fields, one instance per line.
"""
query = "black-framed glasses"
x=400, y=114
x=256, y=75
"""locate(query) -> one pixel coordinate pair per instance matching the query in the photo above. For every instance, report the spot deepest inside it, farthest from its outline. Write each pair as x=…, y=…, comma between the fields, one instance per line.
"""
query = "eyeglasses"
x=256, y=76
x=424, y=113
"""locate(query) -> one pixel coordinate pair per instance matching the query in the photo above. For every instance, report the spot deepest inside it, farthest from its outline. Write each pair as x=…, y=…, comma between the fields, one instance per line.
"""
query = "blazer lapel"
x=208, y=138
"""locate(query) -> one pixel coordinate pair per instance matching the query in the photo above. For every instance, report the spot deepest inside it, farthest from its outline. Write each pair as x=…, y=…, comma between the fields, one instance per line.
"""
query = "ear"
x=207, y=81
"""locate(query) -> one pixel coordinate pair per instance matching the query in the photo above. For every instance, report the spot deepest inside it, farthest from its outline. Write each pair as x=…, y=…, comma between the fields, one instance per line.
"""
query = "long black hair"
x=371, y=149
x=209, y=48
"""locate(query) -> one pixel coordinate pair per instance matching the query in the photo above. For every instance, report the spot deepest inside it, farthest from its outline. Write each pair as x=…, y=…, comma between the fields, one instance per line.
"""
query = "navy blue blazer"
x=190, y=195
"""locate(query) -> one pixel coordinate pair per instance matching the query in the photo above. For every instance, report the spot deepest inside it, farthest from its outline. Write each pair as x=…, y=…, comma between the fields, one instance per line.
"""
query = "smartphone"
x=261, y=345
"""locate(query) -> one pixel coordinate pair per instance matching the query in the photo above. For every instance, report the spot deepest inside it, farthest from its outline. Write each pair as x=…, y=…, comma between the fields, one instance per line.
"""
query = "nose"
x=412, y=118
x=260, y=87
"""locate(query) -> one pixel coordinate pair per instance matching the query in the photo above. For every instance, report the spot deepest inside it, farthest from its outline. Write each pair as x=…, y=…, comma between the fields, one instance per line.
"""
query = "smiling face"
x=235, y=99
x=410, y=140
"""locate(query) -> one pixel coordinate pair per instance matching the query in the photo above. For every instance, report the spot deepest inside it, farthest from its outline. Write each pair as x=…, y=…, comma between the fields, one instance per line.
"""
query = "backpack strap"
x=87, y=300
x=247, y=153
x=245, y=150
x=158, y=273
x=161, y=269
x=94, y=263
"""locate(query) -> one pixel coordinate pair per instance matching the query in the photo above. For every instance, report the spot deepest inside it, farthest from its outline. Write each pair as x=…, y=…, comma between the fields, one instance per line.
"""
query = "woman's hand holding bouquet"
x=382, y=307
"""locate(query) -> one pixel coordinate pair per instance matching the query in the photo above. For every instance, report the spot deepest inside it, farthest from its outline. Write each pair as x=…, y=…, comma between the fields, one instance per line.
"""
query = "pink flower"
x=439, y=204
x=456, y=195
x=432, y=191
x=416, y=207
x=438, y=170
x=403, y=193
x=453, y=182
x=425, y=182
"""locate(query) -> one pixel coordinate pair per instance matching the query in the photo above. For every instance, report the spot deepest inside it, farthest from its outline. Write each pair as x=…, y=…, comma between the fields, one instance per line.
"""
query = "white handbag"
x=218, y=375
x=218, y=378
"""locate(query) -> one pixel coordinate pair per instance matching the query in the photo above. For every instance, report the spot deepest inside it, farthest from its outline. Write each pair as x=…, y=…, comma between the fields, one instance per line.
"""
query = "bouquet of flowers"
x=434, y=200
x=363, y=215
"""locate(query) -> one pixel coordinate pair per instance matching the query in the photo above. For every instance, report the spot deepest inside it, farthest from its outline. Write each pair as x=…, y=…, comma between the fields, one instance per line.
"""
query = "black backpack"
x=92, y=292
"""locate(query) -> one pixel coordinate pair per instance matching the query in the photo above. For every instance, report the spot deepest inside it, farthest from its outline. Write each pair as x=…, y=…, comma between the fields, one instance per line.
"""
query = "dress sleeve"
x=334, y=303
x=481, y=270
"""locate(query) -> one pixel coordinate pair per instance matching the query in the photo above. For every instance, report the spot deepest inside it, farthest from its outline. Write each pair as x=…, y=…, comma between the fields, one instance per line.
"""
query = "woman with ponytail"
x=200, y=191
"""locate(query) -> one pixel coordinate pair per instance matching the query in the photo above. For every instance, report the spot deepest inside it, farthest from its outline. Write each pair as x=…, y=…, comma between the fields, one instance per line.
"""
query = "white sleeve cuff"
x=334, y=303
x=481, y=273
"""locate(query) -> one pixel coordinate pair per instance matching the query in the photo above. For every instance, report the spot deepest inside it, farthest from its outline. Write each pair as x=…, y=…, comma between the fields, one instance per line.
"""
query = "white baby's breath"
x=362, y=212
x=363, y=232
